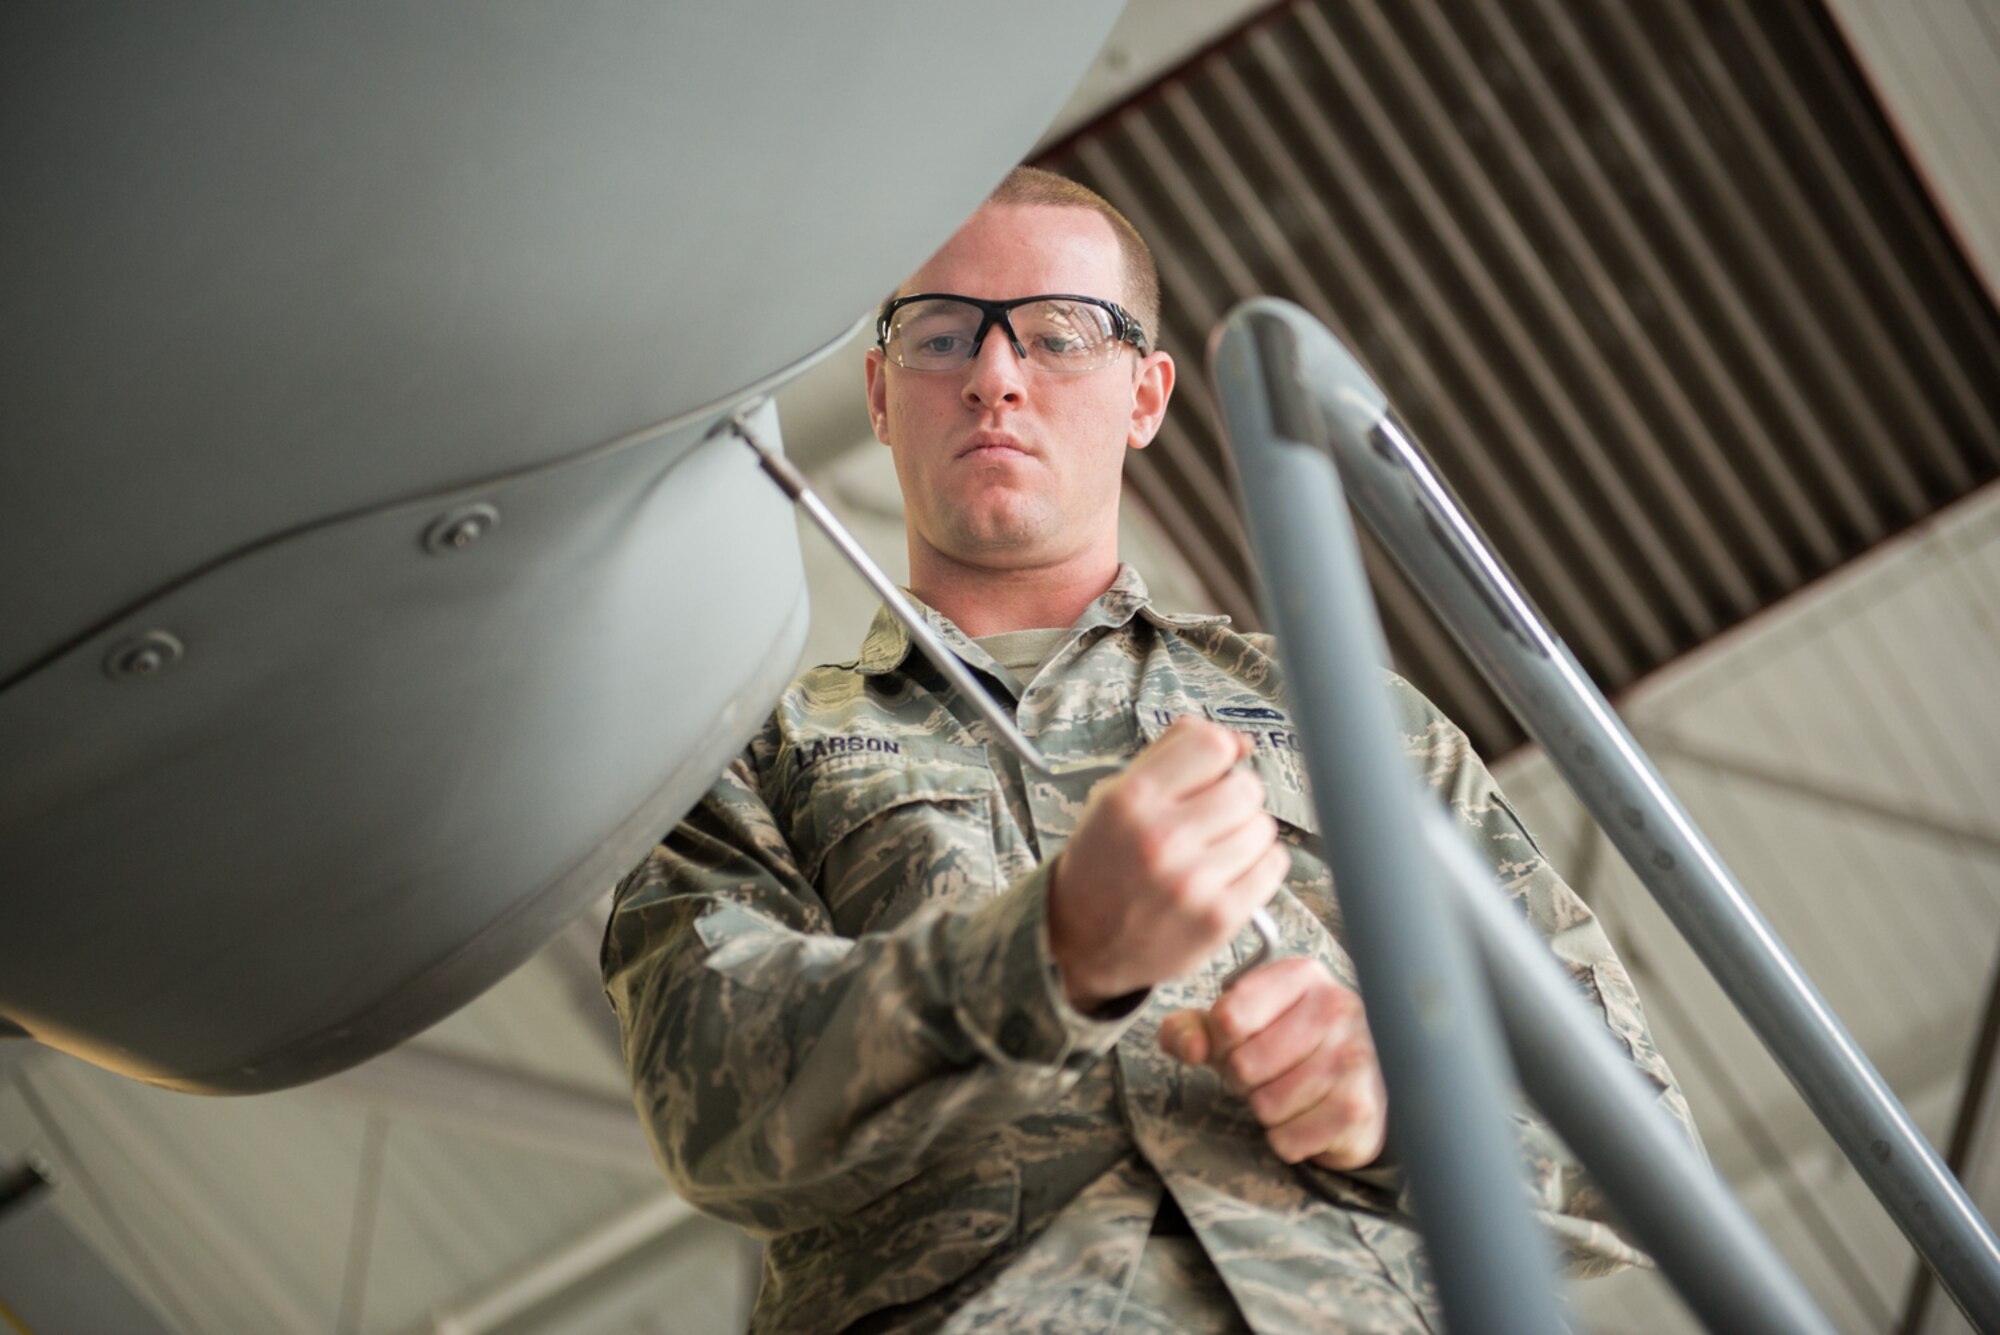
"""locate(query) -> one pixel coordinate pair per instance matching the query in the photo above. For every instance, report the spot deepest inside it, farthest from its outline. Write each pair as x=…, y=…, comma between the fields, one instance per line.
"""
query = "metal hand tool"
x=794, y=485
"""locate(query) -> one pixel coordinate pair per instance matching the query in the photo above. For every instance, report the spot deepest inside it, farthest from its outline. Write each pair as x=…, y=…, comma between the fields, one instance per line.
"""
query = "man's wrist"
x=1007, y=992
x=1082, y=998
x=1108, y=1008
x=1090, y=1002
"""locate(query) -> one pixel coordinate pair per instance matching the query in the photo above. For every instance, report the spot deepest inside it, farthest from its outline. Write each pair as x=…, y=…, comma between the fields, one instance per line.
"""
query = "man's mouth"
x=992, y=445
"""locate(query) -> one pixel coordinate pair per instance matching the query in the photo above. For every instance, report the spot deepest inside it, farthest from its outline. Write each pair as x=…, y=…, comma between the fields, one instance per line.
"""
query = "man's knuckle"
x=1213, y=917
x=1339, y=1002
x=1218, y=742
x=1296, y=970
x=1130, y=798
x=1155, y=844
x=1351, y=1109
x=1351, y=1090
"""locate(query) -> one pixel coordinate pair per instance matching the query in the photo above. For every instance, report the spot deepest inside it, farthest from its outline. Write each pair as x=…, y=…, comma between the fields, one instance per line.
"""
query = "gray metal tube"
x=1438, y=1041
x=1409, y=509
x=793, y=483
x=1680, y=1211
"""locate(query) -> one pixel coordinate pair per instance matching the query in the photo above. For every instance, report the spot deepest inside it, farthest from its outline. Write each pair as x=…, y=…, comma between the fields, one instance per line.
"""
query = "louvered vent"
x=1653, y=284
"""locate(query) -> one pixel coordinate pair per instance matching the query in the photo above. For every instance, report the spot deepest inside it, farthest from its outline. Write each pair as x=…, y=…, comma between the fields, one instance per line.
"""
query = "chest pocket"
x=884, y=828
x=1277, y=756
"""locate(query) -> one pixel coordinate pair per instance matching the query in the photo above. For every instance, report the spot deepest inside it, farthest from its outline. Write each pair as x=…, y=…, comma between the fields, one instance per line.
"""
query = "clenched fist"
x=1168, y=862
x=1295, y=1043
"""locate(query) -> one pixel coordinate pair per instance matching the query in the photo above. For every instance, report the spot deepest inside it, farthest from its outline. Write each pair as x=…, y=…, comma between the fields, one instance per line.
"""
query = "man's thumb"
x=1184, y=1037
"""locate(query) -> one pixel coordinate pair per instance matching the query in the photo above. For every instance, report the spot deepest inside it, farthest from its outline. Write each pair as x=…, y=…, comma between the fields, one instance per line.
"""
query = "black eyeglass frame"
x=1125, y=326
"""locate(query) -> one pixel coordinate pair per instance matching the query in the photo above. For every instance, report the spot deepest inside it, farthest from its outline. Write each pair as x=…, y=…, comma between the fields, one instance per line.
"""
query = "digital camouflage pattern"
x=847, y=1034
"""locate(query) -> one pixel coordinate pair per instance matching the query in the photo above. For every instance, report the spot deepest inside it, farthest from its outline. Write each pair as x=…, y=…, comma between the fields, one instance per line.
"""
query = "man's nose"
x=996, y=376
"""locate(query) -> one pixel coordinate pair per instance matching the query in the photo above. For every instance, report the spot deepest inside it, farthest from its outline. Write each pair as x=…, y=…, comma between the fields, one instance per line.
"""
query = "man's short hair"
x=1033, y=185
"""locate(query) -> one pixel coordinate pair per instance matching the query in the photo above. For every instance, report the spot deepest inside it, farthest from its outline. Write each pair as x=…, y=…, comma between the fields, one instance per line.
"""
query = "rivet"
x=142, y=656
x=455, y=530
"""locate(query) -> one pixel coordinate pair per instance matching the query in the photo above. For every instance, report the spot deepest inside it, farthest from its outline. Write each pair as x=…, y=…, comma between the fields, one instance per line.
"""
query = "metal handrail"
x=1685, y=1217
x=1407, y=506
x=1435, y=1033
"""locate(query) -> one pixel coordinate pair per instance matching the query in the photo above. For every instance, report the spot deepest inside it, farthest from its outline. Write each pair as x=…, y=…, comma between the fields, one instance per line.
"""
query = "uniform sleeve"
x=1572, y=1206
x=788, y=1075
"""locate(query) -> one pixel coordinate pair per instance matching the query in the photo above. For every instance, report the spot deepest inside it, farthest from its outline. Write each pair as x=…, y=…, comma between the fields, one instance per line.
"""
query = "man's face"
x=1005, y=465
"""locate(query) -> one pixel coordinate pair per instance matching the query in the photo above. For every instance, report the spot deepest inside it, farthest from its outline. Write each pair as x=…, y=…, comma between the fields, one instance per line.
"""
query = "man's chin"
x=1001, y=520
x=1004, y=542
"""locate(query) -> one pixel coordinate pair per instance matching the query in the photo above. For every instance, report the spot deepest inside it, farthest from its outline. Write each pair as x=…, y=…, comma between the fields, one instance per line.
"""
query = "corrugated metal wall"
x=1653, y=283
x=1935, y=67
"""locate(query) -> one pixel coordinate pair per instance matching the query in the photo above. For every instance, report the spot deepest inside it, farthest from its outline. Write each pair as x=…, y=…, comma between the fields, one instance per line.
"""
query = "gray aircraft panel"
x=285, y=775
x=267, y=263
x=377, y=770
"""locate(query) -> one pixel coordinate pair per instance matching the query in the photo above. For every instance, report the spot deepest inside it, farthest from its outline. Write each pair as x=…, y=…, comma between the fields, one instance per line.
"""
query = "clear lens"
x=937, y=335
x=933, y=335
x=1065, y=335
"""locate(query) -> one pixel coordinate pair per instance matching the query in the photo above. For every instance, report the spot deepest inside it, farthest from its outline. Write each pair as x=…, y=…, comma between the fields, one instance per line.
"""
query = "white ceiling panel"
x=1838, y=751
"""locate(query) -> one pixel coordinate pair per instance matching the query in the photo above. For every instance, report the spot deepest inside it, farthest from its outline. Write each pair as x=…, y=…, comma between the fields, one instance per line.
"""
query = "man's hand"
x=1295, y=1044
x=1167, y=864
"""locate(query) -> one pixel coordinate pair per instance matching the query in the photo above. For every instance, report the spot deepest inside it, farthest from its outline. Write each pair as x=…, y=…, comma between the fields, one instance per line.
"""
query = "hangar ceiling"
x=1654, y=284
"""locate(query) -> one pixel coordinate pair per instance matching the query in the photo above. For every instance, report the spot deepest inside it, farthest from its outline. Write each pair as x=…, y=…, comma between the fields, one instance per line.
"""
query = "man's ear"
x=874, y=368
x=1151, y=389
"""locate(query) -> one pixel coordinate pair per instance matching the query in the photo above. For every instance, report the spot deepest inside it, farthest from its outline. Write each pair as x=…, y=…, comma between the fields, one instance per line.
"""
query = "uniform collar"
x=887, y=644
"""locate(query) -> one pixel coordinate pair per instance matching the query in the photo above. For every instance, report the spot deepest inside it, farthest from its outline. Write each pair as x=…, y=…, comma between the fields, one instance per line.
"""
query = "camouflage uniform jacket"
x=847, y=1034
